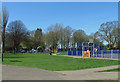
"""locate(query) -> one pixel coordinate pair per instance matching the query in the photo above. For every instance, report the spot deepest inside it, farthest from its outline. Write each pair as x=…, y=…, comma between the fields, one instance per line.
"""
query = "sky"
x=60, y=0
x=87, y=16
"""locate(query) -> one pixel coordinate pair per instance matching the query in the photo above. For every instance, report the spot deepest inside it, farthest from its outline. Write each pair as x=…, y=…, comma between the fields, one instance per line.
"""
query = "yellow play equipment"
x=54, y=51
x=86, y=54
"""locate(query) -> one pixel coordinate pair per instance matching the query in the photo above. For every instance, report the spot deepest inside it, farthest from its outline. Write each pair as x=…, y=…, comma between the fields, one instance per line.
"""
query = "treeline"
x=16, y=35
x=56, y=36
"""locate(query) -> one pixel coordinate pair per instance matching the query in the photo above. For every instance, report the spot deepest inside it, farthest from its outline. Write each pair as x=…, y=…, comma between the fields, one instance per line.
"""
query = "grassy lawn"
x=0, y=60
x=111, y=70
x=55, y=63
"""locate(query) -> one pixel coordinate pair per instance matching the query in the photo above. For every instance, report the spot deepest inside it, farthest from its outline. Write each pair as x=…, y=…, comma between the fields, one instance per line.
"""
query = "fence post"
x=95, y=54
x=101, y=53
x=118, y=51
x=111, y=54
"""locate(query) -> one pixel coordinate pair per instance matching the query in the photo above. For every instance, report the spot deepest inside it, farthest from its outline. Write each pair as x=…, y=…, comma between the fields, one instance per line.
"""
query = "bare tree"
x=79, y=36
x=66, y=37
x=108, y=32
x=53, y=35
x=5, y=20
x=58, y=36
x=0, y=26
x=18, y=32
x=95, y=39
x=118, y=39
x=1, y=32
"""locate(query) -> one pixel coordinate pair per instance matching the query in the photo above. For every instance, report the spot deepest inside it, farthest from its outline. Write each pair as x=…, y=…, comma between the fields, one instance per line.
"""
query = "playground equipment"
x=53, y=51
x=81, y=49
x=95, y=50
x=86, y=54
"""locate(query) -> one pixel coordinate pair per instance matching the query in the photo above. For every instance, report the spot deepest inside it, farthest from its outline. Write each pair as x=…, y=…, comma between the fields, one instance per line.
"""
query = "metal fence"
x=74, y=53
x=114, y=54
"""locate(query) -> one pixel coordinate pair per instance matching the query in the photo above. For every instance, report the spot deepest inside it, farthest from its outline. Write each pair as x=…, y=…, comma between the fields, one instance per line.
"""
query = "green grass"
x=55, y=63
x=0, y=60
x=111, y=70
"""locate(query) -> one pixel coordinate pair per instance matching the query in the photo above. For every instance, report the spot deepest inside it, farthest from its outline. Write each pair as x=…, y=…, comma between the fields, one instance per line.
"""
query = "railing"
x=114, y=54
x=75, y=53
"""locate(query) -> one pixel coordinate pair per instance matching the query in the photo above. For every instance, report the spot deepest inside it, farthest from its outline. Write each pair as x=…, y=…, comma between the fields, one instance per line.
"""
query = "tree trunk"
x=2, y=51
x=3, y=39
x=14, y=51
x=3, y=44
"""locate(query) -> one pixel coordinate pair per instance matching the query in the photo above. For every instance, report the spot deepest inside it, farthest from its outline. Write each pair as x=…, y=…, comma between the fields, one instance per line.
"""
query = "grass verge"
x=111, y=70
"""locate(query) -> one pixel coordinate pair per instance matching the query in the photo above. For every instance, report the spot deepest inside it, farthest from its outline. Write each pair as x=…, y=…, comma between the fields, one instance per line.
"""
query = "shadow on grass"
x=15, y=61
x=13, y=57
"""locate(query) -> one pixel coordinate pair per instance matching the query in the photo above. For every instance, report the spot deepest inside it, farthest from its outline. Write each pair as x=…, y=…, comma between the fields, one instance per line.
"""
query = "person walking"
x=50, y=51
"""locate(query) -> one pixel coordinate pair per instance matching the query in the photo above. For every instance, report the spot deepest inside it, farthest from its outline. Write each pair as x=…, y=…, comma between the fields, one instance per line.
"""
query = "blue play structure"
x=84, y=46
x=100, y=52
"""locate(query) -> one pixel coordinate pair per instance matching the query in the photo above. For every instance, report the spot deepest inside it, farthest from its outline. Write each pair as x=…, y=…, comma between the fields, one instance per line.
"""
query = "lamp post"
x=1, y=43
x=2, y=51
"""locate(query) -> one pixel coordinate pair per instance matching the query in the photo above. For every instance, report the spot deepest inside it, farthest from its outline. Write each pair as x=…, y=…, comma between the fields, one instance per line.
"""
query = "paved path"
x=0, y=72
x=91, y=74
x=25, y=73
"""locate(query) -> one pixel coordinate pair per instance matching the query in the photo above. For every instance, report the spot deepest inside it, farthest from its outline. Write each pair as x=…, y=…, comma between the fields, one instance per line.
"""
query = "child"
x=87, y=52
